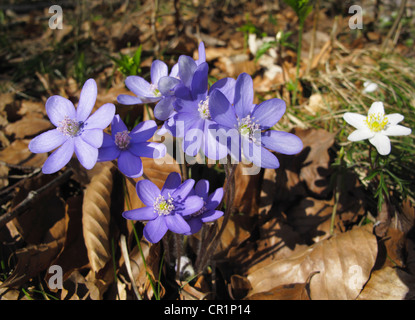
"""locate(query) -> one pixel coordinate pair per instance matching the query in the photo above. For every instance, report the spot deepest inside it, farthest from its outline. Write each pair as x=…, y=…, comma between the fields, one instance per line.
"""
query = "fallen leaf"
x=389, y=284
x=343, y=263
x=32, y=260
x=28, y=127
x=295, y=291
x=96, y=217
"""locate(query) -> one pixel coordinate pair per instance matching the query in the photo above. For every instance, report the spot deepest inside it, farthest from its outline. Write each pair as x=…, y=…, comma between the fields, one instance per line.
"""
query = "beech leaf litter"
x=308, y=230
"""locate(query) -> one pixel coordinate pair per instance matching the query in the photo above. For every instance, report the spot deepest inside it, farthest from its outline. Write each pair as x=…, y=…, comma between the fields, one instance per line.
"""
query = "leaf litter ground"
x=292, y=235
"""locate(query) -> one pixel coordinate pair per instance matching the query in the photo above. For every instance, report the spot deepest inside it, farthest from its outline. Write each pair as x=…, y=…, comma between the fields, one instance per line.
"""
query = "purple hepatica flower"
x=193, y=112
x=208, y=213
x=181, y=76
x=76, y=131
x=247, y=125
x=129, y=146
x=165, y=210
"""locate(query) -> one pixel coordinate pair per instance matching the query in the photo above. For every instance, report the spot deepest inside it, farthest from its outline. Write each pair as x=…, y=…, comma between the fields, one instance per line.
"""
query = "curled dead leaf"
x=344, y=263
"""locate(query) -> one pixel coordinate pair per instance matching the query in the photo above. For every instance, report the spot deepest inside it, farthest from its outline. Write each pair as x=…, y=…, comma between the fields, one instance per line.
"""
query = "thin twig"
x=34, y=196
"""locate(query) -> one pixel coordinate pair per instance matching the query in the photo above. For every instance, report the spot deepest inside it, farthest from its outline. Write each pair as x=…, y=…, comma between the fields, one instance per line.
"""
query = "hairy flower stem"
x=179, y=244
x=229, y=191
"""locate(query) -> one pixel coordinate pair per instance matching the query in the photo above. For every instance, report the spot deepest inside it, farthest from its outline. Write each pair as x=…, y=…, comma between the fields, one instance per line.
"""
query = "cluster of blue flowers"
x=218, y=121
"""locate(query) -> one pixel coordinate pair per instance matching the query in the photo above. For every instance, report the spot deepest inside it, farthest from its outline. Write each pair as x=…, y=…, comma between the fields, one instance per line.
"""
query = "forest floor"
x=311, y=229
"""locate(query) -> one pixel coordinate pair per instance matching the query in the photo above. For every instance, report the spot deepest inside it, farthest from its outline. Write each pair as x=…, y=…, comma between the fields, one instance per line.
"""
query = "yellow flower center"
x=376, y=122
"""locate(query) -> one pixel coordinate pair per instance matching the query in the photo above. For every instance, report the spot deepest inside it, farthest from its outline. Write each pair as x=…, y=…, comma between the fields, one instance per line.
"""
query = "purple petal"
x=47, y=141
x=108, y=153
x=143, y=131
x=183, y=190
x=174, y=71
x=184, y=93
x=244, y=95
x=59, y=158
x=187, y=67
x=130, y=165
x=221, y=110
x=155, y=229
x=188, y=106
x=193, y=138
x=58, y=108
x=199, y=84
x=202, y=53
x=202, y=189
x=128, y=100
x=86, y=100
x=195, y=225
x=145, y=213
x=191, y=205
x=147, y=191
x=94, y=137
x=152, y=150
x=211, y=215
x=177, y=224
x=184, y=121
x=101, y=118
x=282, y=142
x=158, y=70
x=269, y=112
x=214, y=199
x=164, y=108
x=107, y=141
x=86, y=154
x=259, y=156
x=117, y=125
x=139, y=86
x=215, y=143
x=172, y=182
x=167, y=85
x=226, y=86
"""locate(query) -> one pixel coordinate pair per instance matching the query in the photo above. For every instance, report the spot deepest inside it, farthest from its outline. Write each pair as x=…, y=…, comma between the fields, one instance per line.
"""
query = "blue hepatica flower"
x=208, y=213
x=165, y=210
x=76, y=131
x=159, y=90
x=193, y=112
x=129, y=146
x=182, y=74
x=248, y=125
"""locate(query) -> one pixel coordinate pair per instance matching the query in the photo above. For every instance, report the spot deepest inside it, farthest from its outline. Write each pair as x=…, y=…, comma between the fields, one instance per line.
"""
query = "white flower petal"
x=360, y=134
x=382, y=144
x=394, y=118
x=397, y=130
x=356, y=120
x=370, y=87
x=377, y=108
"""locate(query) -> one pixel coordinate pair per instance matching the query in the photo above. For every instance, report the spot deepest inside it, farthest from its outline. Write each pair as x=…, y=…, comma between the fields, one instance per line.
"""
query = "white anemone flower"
x=377, y=127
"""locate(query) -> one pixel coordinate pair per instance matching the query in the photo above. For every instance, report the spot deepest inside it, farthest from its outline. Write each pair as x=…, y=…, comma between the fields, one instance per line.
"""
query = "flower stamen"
x=122, y=139
x=163, y=206
x=248, y=127
x=376, y=122
x=70, y=127
x=155, y=90
x=203, y=108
